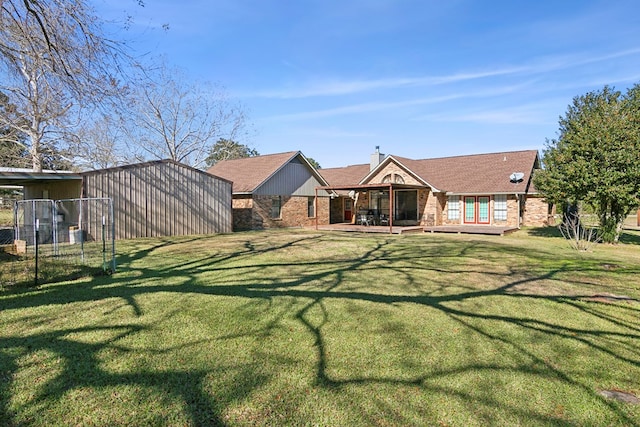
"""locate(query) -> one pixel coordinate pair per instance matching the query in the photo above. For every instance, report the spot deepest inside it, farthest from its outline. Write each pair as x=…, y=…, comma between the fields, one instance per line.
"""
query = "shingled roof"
x=348, y=175
x=475, y=174
x=248, y=174
x=471, y=174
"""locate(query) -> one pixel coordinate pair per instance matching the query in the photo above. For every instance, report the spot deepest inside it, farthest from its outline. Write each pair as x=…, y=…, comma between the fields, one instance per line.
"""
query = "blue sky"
x=420, y=79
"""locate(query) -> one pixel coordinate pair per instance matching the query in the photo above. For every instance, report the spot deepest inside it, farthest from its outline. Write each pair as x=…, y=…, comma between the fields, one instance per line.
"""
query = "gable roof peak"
x=250, y=173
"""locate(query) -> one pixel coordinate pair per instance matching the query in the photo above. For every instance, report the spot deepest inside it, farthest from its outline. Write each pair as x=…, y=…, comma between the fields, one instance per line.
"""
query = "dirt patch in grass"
x=611, y=299
x=621, y=396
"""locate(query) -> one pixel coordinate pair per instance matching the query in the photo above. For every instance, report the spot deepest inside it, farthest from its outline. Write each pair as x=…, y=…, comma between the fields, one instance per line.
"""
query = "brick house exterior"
x=492, y=189
x=274, y=191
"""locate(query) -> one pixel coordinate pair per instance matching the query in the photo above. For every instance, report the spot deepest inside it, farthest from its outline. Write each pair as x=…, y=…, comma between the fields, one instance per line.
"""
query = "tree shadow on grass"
x=81, y=370
x=327, y=278
x=630, y=237
x=545, y=232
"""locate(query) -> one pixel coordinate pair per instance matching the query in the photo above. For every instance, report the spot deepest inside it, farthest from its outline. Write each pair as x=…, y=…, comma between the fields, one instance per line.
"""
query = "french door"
x=476, y=210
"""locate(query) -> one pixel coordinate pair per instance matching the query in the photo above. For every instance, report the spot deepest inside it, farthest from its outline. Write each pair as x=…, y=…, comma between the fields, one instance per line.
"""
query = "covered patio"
x=379, y=208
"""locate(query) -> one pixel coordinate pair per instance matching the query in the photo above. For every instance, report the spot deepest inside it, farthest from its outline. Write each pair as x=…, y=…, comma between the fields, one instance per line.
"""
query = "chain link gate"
x=60, y=239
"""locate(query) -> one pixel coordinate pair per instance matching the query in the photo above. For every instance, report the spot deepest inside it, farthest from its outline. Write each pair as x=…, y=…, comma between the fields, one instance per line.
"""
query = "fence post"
x=104, y=247
x=35, y=280
x=113, y=237
x=80, y=224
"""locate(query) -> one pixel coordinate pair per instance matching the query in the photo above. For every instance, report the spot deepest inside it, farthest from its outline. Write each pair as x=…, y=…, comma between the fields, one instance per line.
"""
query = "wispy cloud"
x=359, y=108
x=525, y=114
x=540, y=65
x=347, y=87
x=382, y=106
x=561, y=62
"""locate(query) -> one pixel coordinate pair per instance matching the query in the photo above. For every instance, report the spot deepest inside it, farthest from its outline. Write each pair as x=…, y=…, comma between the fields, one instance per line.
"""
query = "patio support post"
x=315, y=207
x=390, y=209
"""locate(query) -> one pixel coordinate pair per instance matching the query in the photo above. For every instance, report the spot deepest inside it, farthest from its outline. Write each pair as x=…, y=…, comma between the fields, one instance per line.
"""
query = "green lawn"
x=297, y=327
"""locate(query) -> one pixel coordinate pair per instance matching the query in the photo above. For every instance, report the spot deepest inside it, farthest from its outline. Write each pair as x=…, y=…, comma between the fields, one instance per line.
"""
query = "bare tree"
x=579, y=236
x=173, y=118
x=98, y=144
x=12, y=147
x=54, y=59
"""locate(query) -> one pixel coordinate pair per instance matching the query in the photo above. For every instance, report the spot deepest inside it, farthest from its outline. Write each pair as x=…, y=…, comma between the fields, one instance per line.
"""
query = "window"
x=453, y=207
x=311, y=211
x=398, y=179
x=406, y=205
x=276, y=207
x=500, y=207
x=379, y=202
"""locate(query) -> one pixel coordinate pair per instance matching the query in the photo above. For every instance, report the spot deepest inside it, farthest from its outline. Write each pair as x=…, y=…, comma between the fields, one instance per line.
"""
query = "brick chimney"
x=376, y=158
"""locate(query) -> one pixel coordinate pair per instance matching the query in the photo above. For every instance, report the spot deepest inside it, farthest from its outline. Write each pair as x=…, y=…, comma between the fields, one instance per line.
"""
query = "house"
x=493, y=189
x=162, y=198
x=276, y=190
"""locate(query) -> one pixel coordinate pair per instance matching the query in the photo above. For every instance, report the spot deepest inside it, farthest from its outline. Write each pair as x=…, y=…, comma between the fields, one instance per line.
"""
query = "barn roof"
x=150, y=163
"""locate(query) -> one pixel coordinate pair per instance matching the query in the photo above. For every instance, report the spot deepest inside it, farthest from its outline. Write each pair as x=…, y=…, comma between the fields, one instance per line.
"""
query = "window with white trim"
x=453, y=207
x=500, y=207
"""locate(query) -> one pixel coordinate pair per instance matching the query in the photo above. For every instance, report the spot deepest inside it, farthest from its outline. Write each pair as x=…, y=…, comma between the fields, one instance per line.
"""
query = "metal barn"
x=162, y=198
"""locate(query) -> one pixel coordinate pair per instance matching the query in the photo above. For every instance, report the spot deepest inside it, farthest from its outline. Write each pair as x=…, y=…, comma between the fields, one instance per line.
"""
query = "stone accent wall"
x=428, y=207
x=441, y=214
x=513, y=211
x=253, y=213
x=536, y=212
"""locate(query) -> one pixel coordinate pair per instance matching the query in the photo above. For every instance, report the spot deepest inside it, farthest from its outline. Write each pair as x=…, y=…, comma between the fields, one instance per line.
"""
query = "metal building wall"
x=293, y=179
x=163, y=198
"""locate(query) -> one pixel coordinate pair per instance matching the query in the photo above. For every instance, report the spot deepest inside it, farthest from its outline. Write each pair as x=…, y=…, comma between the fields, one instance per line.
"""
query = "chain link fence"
x=55, y=240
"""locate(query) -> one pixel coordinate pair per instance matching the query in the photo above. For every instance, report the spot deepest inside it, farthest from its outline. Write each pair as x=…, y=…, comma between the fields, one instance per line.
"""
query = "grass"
x=297, y=327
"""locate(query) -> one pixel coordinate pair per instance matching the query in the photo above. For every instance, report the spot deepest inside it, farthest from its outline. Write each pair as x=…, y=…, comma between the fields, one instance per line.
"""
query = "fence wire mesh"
x=59, y=239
